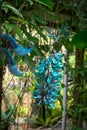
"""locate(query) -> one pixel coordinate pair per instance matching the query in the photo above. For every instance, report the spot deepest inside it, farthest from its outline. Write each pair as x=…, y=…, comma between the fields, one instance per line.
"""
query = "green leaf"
x=32, y=120
x=3, y=116
x=54, y=120
x=17, y=19
x=29, y=36
x=48, y=3
x=14, y=111
x=39, y=19
x=8, y=26
x=2, y=59
x=9, y=113
x=30, y=1
x=19, y=32
x=47, y=121
x=6, y=6
x=30, y=63
x=79, y=40
x=17, y=91
x=40, y=121
x=40, y=32
x=37, y=51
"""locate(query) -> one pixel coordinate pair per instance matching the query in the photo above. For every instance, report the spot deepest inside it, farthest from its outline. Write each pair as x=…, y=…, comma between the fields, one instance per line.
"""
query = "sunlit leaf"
x=17, y=19
x=17, y=91
x=48, y=120
x=54, y=120
x=8, y=26
x=29, y=36
x=19, y=32
x=40, y=32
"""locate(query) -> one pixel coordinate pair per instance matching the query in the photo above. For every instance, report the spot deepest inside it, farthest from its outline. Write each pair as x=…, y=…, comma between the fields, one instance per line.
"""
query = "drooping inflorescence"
x=18, y=50
x=48, y=76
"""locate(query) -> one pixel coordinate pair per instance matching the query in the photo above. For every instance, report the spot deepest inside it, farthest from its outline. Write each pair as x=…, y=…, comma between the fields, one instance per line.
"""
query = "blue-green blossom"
x=11, y=63
x=18, y=49
x=48, y=75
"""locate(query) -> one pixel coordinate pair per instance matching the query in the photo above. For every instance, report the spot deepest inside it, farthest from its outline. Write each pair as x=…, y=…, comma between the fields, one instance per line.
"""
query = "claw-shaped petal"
x=13, y=42
x=56, y=74
x=54, y=60
x=57, y=56
x=14, y=70
x=20, y=50
x=49, y=80
x=51, y=105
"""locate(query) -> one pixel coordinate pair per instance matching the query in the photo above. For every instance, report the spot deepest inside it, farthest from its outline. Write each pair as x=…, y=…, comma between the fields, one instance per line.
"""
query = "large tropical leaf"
x=6, y=6
x=79, y=40
x=46, y=3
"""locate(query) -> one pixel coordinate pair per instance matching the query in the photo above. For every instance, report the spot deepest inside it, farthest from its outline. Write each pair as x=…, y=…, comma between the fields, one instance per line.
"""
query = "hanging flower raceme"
x=18, y=49
x=48, y=75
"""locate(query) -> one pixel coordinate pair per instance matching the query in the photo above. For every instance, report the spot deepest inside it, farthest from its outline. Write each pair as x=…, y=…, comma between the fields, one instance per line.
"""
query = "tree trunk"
x=1, y=67
x=78, y=84
x=1, y=79
x=64, y=113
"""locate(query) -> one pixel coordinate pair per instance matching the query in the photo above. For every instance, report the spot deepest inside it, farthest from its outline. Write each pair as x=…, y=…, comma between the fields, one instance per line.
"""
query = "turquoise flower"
x=14, y=70
x=11, y=63
x=17, y=48
x=48, y=75
x=21, y=51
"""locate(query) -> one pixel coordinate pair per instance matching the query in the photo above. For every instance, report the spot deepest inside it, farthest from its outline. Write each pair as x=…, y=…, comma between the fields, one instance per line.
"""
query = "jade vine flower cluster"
x=48, y=75
x=18, y=50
